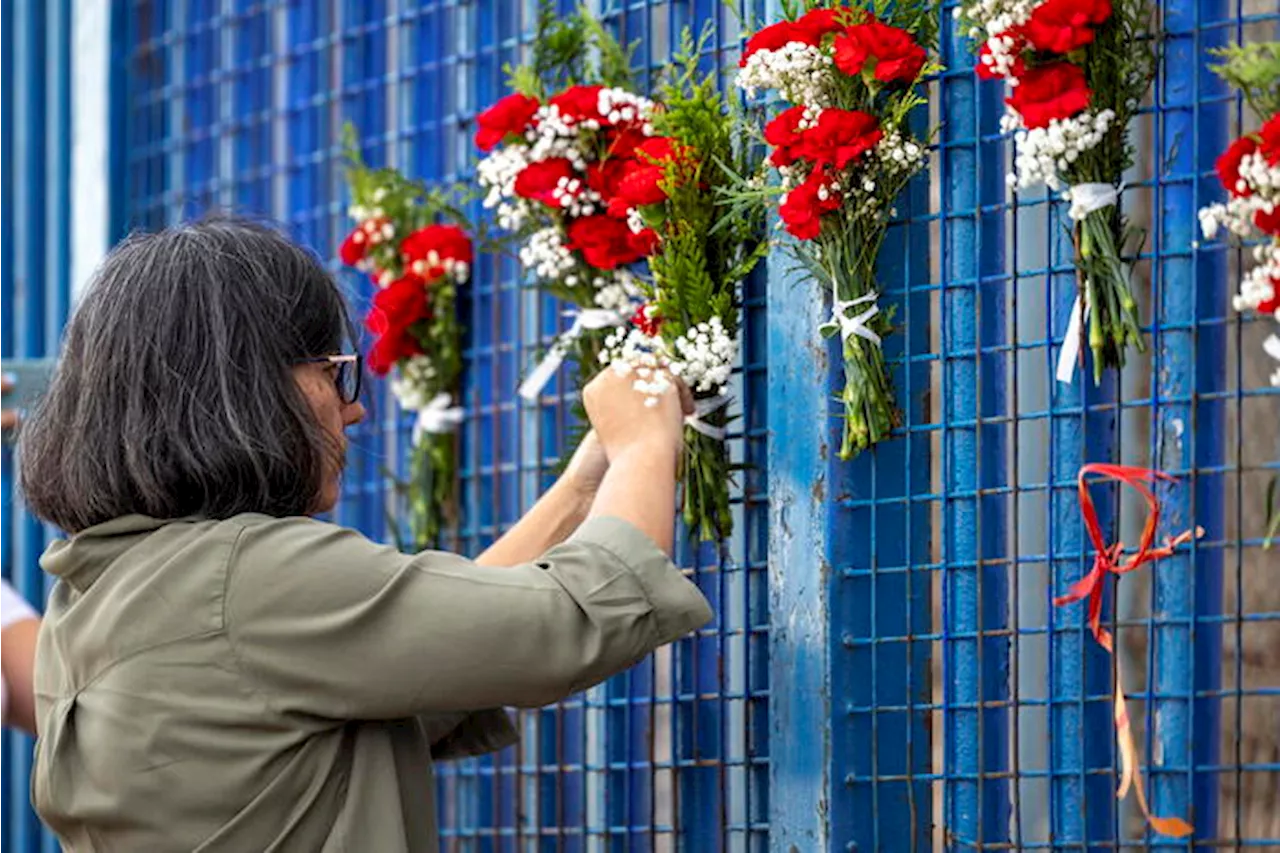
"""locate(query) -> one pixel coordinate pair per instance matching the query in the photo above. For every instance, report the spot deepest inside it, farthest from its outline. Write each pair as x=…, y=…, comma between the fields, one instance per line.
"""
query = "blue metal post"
x=799, y=566
x=975, y=591
x=1190, y=365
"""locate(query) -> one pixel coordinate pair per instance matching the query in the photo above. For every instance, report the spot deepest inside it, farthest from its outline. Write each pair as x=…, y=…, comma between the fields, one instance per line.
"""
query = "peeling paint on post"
x=799, y=571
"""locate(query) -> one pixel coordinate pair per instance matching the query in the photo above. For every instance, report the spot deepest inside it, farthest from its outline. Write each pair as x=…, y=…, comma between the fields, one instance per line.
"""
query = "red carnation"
x=1061, y=26
x=643, y=243
x=890, y=53
x=539, y=181
x=809, y=30
x=624, y=141
x=604, y=176
x=784, y=135
x=1268, y=223
x=840, y=137
x=774, y=37
x=355, y=248
x=447, y=242
x=1269, y=133
x=1048, y=92
x=396, y=307
x=607, y=243
x=804, y=205
x=985, y=69
x=578, y=103
x=1269, y=306
x=1228, y=165
x=818, y=22
x=647, y=320
x=510, y=115
x=641, y=185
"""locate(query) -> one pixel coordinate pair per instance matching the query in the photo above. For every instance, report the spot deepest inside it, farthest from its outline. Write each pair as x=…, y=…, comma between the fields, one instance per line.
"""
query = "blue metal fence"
x=886, y=671
x=35, y=152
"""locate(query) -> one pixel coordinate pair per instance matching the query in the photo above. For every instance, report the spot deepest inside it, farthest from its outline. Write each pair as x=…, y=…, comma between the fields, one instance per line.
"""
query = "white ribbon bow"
x=1070, y=352
x=702, y=408
x=1272, y=348
x=591, y=318
x=437, y=416
x=857, y=324
x=1086, y=198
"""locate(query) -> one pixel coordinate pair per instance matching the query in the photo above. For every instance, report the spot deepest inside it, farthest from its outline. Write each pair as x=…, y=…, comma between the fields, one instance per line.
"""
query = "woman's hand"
x=624, y=422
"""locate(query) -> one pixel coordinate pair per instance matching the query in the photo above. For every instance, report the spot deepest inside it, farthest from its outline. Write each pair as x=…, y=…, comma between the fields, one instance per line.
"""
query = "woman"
x=216, y=670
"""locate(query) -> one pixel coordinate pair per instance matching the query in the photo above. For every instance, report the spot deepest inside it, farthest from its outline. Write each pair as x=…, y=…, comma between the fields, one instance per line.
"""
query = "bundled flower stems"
x=843, y=150
x=614, y=200
x=1077, y=71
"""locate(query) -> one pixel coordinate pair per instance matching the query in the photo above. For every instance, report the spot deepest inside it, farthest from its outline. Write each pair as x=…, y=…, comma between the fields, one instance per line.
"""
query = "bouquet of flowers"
x=561, y=155
x=595, y=179
x=415, y=245
x=688, y=324
x=844, y=150
x=1250, y=174
x=1078, y=71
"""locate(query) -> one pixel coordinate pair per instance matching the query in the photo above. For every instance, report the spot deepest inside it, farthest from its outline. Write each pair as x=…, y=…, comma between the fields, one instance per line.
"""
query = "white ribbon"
x=1272, y=348
x=1086, y=198
x=702, y=408
x=1070, y=353
x=591, y=318
x=437, y=416
x=857, y=324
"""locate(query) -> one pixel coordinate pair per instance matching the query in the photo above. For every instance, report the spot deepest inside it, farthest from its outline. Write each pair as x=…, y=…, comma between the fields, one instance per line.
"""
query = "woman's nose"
x=354, y=414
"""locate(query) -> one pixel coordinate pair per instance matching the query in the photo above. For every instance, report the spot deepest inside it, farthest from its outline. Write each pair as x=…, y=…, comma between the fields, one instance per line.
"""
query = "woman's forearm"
x=551, y=521
x=640, y=488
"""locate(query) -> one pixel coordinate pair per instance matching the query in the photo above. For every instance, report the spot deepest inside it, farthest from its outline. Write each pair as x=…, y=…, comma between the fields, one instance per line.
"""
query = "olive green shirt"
x=283, y=684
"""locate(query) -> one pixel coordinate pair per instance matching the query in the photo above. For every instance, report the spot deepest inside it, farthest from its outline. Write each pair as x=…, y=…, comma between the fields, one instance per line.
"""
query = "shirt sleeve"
x=332, y=624
x=464, y=734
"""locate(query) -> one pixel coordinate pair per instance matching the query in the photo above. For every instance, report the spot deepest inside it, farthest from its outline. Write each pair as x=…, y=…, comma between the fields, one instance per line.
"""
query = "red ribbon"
x=1111, y=559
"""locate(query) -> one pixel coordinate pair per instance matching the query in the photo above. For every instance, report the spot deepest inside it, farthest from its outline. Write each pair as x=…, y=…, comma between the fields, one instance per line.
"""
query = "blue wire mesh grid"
x=966, y=711
x=239, y=104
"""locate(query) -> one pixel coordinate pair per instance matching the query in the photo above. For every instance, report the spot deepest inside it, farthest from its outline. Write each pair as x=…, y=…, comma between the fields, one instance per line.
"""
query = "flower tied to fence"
x=1111, y=559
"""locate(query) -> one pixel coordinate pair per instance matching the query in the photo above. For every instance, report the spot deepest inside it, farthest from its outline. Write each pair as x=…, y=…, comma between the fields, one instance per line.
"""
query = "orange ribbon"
x=1111, y=559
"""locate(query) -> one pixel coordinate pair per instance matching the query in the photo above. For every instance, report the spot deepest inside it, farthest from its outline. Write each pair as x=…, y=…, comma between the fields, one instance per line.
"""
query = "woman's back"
x=146, y=715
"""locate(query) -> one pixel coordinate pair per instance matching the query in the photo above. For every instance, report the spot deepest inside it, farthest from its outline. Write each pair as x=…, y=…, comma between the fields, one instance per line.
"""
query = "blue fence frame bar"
x=976, y=655
x=1084, y=424
x=1191, y=310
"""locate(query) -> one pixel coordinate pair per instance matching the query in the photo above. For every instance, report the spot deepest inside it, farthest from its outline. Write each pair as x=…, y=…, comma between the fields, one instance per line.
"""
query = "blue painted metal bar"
x=1188, y=433
x=799, y=569
x=975, y=593
x=800, y=457
x=1082, y=800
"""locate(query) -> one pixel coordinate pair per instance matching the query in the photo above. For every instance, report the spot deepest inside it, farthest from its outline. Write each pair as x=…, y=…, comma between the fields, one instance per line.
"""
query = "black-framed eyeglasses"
x=347, y=376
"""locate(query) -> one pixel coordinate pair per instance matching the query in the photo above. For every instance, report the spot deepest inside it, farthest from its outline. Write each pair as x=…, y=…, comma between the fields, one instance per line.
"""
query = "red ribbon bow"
x=1110, y=559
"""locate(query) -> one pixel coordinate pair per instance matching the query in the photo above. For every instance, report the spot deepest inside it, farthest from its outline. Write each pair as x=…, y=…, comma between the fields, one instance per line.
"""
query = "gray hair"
x=174, y=394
